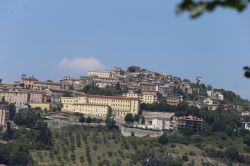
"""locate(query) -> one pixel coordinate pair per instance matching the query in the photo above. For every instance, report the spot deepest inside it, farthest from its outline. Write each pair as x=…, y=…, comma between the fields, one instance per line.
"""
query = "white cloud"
x=82, y=64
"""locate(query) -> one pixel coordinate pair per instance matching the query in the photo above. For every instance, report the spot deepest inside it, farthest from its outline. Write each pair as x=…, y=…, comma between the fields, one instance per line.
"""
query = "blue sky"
x=53, y=38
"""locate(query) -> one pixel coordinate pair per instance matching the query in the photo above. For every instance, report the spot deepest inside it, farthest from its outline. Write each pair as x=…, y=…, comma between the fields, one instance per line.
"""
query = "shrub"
x=232, y=153
x=246, y=140
x=172, y=145
x=191, y=153
x=163, y=139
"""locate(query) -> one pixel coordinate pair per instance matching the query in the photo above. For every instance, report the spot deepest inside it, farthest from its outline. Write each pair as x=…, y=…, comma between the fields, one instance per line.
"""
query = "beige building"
x=19, y=98
x=119, y=105
x=174, y=100
x=148, y=87
x=36, y=96
x=28, y=81
x=43, y=106
x=4, y=115
x=103, y=74
x=131, y=94
x=47, y=85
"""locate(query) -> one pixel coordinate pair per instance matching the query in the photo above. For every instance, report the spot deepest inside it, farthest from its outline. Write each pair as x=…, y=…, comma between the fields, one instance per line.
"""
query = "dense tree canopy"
x=31, y=133
x=129, y=118
x=108, y=90
x=82, y=119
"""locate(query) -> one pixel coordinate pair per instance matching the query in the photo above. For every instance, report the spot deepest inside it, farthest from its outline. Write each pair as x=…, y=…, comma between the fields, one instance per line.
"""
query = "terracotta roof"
x=109, y=97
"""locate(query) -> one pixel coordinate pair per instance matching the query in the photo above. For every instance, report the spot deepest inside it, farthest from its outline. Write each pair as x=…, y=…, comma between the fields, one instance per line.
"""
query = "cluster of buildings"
x=139, y=86
x=168, y=121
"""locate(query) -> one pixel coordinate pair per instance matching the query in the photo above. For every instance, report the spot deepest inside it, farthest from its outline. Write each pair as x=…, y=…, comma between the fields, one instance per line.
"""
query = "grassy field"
x=77, y=145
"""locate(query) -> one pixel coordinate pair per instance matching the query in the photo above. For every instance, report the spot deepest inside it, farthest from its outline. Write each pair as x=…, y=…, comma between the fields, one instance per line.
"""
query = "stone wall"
x=127, y=132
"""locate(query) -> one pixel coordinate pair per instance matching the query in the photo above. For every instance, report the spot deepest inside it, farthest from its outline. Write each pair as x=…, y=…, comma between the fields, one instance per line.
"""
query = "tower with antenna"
x=198, y=81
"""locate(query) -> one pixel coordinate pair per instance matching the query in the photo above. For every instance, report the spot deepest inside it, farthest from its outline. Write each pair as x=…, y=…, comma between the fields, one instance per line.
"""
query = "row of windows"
x=113, y=100
x=89, y=106
x=86, y=110
x=11, y=94
x=119, y=105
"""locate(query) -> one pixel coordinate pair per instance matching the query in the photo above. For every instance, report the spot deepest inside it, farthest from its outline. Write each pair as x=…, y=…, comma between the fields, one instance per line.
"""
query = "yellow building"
x=149, y=99
x=119, y=105
x=43, y=106
x=92, y=109
x=144, y=98
x=103, y=74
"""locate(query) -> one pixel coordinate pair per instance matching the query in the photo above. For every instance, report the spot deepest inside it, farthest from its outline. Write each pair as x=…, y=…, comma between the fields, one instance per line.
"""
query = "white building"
x=246, y=125
x=159, y=120
x=219, y=96
x=208, y=101
x=215, y=95
x=210, y=93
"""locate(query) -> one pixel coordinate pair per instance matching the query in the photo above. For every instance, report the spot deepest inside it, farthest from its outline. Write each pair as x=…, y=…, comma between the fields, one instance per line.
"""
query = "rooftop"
x=166, y=115
x=109, y=97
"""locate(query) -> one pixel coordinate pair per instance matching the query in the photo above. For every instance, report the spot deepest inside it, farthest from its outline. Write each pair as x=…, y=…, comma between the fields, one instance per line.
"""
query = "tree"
x=246, y=140
x=197, y=7
x=163, y=139
x=129, y=118
x=142, y=120
x=136, y=118
x=82, y=119
x=12, y=111
x=89, y=119
x=187, y=131
x=185, y=157
x=3, y=100
x=118, y=86
x=110, y=122
x=8, y=135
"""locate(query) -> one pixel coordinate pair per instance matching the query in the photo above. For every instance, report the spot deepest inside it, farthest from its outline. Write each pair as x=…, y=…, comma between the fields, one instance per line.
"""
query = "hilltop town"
x=140, y=102
x=120, y=91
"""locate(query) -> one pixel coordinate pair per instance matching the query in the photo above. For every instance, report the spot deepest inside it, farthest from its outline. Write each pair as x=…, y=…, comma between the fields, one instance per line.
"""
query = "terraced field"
x=78, y=145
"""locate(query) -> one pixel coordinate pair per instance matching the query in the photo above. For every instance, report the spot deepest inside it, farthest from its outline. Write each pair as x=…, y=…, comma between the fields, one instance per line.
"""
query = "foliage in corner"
x=197, y=7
